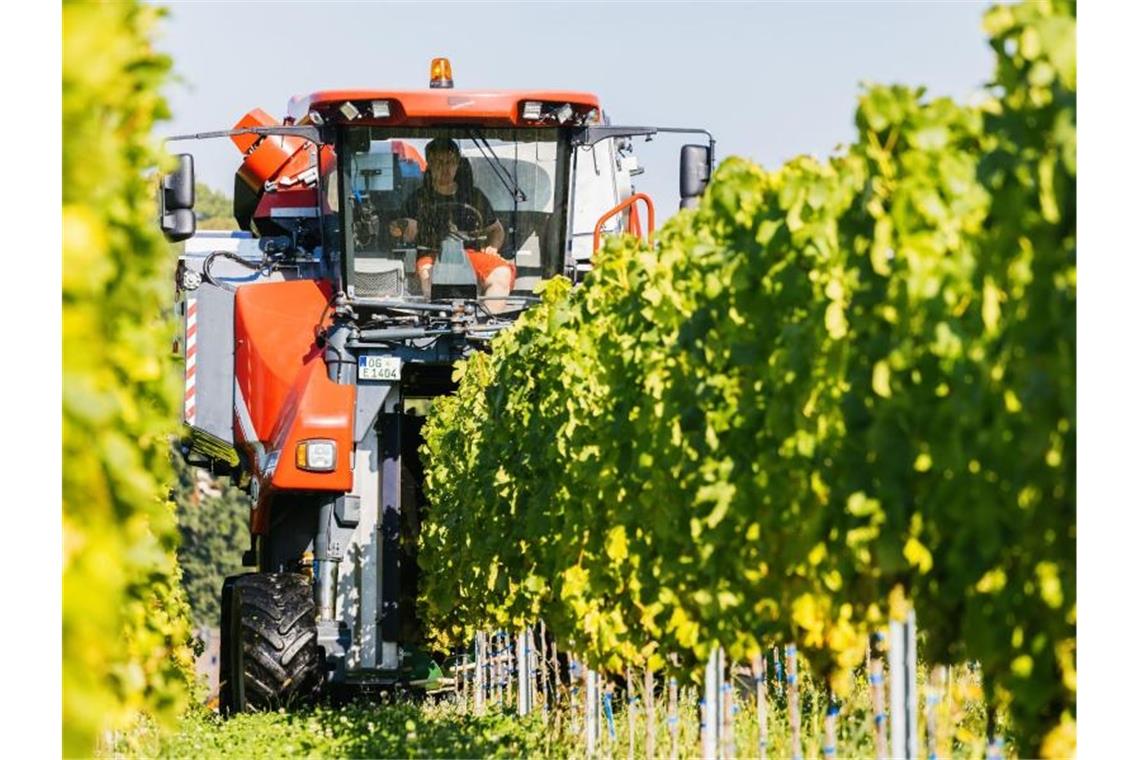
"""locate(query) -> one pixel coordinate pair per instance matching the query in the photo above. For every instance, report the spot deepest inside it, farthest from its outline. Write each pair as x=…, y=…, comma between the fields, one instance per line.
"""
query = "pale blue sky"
x=769, y=80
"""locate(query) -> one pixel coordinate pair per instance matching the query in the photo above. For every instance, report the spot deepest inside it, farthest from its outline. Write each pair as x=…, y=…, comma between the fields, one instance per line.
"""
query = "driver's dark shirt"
x=435, y=213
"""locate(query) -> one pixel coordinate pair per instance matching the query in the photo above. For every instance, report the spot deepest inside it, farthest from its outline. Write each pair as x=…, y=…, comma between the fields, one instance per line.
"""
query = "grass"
x=448, y=728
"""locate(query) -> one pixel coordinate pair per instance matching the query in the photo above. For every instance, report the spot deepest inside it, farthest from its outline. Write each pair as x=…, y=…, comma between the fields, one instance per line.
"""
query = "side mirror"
x=694, y=173
x=176, y=201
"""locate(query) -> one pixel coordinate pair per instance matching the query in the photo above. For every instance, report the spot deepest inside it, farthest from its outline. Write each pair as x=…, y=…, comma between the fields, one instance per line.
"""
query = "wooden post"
x=592, y=713
x=522, y=657
x=673, y=719
x=650, y=716
x=532, y=668
x=630, y=698
x=480, y=668
x=934, y=688
x=493, y=697
x=878, y=702
x=760, y=682
x=995, y=745
x=829, y=732
x=545, y=670
x=792, y=679
x=576, y=713
x=904, y=688
x=727, y=739
x=713, y=703
x=608, y=711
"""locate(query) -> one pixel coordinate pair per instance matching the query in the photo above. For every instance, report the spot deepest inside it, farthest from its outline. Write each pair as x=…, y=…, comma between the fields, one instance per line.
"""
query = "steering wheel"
x=464, y=221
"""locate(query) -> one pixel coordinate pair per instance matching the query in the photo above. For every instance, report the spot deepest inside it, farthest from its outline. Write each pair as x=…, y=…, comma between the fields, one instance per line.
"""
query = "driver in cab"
x=448, y=202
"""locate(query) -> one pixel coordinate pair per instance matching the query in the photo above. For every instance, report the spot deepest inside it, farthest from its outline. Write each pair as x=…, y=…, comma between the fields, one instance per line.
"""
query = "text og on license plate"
x=378, y=368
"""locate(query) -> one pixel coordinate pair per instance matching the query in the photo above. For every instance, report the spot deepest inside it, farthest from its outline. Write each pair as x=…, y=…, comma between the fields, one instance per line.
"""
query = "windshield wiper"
x=497, y=166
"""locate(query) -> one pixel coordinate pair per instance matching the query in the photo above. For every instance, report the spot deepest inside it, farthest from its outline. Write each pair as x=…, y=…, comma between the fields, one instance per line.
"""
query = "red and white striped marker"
x=191, y=359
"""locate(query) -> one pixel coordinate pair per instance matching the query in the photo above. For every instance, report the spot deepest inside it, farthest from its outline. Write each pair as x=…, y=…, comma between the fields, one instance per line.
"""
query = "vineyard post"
x=500, y=669
x=557, y=685
x=511, y=666
x=759, y=680
x=933, y=698
x=728, y=746
x=575, y=676
x=673, y=720
x=494, y=668
x=995, y=745
x=829, y=726
x=545, y=670
x=903, y=668
x=878, y=703
x=711, y=718
x=608, y=705
x=460, y=683
x=947, y=737
x=629, y=700
x=793, y=689
x=522, y=656
x=650, y=716
x=592, y=712
x=480, y=664
x=532, y=667
x=489, y=667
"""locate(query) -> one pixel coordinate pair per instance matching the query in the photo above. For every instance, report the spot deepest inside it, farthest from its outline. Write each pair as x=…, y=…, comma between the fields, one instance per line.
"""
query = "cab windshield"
x=451, y=212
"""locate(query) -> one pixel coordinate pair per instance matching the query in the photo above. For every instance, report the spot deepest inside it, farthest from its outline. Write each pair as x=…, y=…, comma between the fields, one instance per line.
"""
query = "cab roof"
x=442, y=105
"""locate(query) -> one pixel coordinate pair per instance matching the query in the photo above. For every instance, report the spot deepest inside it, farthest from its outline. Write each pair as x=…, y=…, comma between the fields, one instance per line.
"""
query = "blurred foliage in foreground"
x=387, y=730
x=125, y=622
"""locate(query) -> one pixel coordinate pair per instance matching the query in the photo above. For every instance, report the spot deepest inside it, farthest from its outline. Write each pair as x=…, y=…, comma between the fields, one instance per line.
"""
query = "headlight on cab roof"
x=316, y=455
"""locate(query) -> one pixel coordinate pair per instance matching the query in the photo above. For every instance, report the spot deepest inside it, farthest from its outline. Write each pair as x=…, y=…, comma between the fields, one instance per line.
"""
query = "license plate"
x=378, y=368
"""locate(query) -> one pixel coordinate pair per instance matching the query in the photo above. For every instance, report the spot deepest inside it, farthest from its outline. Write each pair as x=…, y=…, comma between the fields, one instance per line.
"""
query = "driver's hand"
x=405, y=228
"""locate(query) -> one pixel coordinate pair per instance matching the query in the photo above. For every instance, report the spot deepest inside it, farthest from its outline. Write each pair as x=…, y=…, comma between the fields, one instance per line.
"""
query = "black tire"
x=270, y=657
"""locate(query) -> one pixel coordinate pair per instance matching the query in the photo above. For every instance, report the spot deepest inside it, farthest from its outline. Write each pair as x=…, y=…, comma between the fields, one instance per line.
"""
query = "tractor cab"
x=509, y=188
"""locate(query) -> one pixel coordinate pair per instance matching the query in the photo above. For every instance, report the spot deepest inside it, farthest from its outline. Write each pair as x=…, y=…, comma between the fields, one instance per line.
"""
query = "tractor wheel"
x=269, y=642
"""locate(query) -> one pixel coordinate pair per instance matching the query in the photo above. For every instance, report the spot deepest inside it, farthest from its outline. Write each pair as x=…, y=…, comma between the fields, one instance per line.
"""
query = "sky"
x=769, y=80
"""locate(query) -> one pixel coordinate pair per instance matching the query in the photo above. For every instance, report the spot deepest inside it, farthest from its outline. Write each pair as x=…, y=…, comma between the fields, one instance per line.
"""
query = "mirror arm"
x=594, y=135
x=310, y=133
